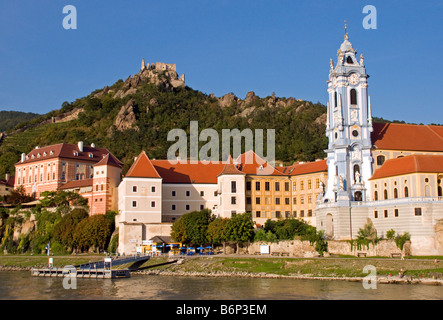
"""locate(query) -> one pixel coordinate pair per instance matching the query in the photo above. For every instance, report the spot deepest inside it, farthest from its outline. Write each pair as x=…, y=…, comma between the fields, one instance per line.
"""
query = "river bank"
x=383, y=270
x=345, y=269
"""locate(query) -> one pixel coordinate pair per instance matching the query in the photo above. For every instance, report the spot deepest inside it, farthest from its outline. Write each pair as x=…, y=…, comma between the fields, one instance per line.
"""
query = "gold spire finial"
x=346, y=31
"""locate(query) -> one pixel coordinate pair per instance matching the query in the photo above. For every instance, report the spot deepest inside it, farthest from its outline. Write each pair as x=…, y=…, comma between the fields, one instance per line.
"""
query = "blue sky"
x=223, y=46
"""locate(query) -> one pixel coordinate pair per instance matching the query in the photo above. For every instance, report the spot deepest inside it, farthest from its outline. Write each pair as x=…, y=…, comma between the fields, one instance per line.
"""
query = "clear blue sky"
x=223, y=46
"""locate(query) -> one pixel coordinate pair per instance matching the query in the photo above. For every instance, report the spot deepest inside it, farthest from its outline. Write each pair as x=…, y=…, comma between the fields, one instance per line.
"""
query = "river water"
x=15, y=285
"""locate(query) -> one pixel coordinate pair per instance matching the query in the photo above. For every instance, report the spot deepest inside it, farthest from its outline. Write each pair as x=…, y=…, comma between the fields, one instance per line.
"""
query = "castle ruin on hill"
x=169, y=68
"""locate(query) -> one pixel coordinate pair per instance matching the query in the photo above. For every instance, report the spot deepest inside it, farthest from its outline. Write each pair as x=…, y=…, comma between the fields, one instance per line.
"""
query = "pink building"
x=93, y=172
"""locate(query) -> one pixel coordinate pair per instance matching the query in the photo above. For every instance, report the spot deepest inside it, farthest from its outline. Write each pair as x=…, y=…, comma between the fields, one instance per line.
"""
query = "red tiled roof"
x=188, y=172
x=250, y=163
x=207, y=172
x=230, y=168
x=142, y=168
x=76, y=184
x=67, y=151
x=409, y=164
x=109, y=160
x=307, y=167
x=398, y=136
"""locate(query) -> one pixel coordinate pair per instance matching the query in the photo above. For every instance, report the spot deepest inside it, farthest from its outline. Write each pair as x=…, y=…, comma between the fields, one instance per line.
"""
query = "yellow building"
x=281, y=192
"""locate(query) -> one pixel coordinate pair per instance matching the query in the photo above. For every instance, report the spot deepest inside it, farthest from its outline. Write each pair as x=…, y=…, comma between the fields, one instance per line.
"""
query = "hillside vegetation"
x=137, y=114
x=9, y=119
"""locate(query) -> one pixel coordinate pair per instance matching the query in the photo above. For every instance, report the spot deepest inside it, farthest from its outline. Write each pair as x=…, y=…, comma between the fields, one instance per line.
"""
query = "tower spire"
x=346, y=31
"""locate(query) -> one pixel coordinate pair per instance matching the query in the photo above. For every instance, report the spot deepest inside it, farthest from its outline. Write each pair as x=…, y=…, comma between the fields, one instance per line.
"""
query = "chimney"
x=80, y=146
x=7, y=177
x=93, y=145
x=23, y=157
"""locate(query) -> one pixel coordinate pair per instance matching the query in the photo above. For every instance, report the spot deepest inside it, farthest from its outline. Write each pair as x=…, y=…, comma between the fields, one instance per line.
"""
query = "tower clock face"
x=354, y=79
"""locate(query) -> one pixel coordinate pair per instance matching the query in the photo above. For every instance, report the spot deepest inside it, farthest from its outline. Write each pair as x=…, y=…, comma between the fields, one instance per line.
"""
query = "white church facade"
x=388, y=174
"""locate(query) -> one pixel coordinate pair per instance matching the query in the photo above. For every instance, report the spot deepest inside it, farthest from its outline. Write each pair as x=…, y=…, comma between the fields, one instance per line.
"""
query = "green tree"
x=64, y=230
x=192, y=228
x=216, y=232
x=178, y=230
x=95, y=231
x=62, y=198
x=267, y=236
x=240, y=228
x=18, y=196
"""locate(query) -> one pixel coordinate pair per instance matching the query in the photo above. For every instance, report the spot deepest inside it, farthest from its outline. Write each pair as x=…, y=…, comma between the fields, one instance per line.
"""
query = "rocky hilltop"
x=137, y=113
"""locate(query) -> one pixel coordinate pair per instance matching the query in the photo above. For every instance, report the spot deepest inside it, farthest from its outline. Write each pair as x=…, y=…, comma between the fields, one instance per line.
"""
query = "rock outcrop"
x=126, y=117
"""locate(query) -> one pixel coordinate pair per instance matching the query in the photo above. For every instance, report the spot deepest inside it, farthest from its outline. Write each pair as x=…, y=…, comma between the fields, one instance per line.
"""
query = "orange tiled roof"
x=207, y=172
x=398, y=136
x=188, y=172
x=307, y=167
x=142, y=168
x=250, y=163
x=409, y=164
x=230, y=168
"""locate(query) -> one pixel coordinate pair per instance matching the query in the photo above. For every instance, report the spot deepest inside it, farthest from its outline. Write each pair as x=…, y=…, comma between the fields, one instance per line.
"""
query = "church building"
x=385, y=173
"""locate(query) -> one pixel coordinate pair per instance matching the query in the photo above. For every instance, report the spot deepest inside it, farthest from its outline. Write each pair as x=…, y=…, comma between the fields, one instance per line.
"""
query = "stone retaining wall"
x=298, y=248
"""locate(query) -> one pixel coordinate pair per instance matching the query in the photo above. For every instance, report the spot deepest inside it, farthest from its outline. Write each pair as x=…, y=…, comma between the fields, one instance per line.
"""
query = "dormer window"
x=51, y=152
x=75, y=153
x=91, y=155
x=32, y=157
x=38, y=155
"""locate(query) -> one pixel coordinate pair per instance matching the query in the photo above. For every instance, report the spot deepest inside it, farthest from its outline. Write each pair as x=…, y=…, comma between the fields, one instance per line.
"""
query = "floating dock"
x=81, y=273
x=94, y=270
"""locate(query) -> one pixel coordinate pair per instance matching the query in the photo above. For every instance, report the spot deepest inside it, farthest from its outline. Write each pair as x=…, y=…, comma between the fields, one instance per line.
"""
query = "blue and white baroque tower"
x=348, y=128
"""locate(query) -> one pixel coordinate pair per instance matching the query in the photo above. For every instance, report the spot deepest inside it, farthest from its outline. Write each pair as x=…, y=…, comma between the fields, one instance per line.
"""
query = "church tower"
x=348, y=127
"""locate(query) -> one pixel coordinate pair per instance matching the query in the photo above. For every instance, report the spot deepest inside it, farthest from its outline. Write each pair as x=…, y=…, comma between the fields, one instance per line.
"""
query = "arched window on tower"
x=349, y=60
x=353, y=97
x=335, y=100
